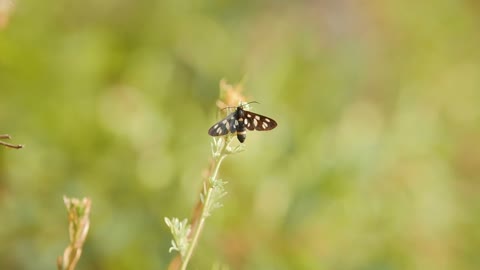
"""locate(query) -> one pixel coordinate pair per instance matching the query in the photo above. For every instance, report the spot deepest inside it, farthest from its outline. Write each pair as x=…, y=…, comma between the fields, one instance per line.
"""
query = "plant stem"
x=6, y=136
x=203, y=215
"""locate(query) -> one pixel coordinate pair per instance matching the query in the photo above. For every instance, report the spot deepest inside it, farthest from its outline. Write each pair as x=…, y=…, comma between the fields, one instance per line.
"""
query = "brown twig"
x=14, y=146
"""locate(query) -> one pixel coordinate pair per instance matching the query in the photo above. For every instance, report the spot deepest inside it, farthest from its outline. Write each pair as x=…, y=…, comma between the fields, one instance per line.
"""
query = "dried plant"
x=6, y=136
x=78, y=225
x=6, y=8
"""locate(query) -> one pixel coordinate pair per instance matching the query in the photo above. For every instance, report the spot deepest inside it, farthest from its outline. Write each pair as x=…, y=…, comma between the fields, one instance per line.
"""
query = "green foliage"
x=373, y=165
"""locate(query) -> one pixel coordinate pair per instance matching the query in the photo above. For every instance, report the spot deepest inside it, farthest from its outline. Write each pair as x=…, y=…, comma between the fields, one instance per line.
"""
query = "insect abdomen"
x=241, y=135
x=241, y=129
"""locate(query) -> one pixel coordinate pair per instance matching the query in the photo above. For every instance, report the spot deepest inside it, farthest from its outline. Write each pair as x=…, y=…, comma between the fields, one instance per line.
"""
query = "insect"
x=239, y=121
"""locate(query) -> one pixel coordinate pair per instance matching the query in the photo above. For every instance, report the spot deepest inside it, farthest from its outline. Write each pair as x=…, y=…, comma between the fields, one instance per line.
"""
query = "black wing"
x=224, y=126
x=258, y=122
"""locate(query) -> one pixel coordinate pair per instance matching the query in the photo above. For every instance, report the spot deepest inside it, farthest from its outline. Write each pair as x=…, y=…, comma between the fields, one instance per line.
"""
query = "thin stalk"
x=203, y=216
x=6, y=136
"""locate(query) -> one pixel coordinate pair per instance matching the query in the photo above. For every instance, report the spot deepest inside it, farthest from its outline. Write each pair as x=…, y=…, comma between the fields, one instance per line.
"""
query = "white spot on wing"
x=264, y=125
x=255, y=122
x=257, y=117
x=267, y=120
x=219, y=130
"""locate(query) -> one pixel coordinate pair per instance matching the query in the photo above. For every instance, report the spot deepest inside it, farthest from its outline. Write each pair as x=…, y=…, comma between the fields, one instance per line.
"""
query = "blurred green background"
x=375, y=163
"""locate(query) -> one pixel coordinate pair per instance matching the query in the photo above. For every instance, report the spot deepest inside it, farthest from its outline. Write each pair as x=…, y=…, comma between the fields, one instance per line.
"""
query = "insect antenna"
x=241, y=105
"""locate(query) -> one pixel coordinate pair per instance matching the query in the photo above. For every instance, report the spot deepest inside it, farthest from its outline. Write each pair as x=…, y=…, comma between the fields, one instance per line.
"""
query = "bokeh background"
x=375, y=163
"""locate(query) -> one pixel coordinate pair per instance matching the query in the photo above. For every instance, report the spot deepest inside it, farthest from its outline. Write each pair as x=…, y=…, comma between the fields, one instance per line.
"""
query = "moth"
x=239, y=121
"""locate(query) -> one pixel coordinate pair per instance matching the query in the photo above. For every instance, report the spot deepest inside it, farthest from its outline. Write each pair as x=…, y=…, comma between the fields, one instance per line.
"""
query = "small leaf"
x=168, y=222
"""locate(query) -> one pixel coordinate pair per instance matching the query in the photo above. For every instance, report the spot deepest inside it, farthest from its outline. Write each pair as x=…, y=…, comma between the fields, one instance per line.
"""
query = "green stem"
x=203, y=217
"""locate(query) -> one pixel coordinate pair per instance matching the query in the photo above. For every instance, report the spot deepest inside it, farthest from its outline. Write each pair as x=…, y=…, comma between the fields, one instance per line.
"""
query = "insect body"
x=239, y=121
